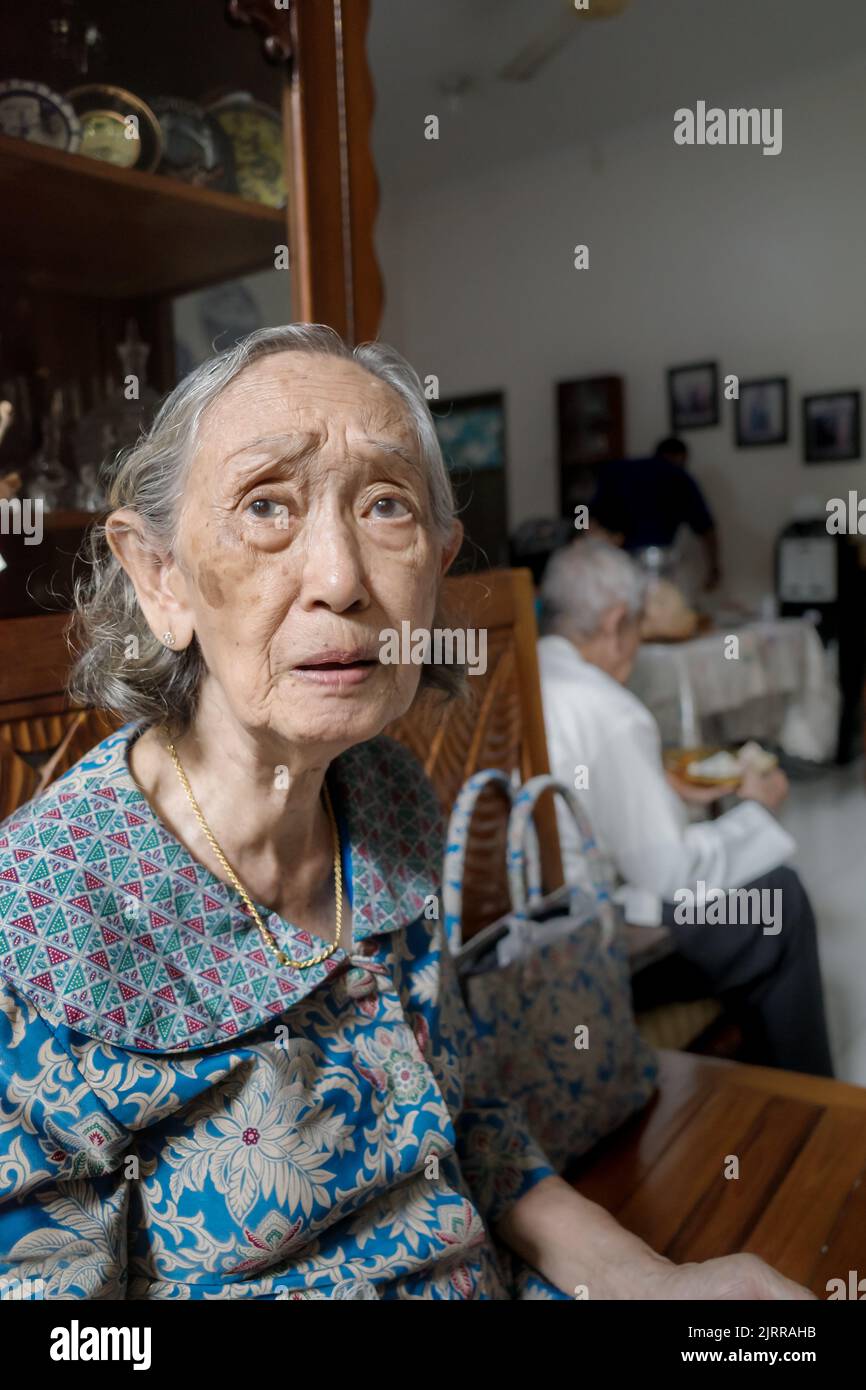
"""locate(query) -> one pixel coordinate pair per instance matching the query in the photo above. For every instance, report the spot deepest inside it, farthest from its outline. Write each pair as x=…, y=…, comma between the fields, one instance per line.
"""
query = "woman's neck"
x=263, y=806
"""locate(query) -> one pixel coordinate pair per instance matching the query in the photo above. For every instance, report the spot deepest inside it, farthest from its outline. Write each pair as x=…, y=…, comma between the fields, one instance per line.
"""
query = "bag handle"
x=456, y=841
x=524, y=881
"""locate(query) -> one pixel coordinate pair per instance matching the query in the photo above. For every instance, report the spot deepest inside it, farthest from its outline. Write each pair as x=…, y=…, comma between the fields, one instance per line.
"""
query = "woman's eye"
x=266, y=509
x=385, y=507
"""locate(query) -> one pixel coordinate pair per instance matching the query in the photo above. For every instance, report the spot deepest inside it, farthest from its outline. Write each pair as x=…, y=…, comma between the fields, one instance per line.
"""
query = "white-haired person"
x=766, y=966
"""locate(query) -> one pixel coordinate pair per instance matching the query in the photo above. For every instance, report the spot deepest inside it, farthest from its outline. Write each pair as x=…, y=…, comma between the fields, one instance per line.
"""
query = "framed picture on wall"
x=831, y=427
x=693, y=396
x=762, y=413
x=471, y=432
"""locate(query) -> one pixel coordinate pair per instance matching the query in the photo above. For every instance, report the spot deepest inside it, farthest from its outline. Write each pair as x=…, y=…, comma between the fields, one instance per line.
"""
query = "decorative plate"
x=31, y=111
x=117, y=126
x=196, y=149
x=256, y=135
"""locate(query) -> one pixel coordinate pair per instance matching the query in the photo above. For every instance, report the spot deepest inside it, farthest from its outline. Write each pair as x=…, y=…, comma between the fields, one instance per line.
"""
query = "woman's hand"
x=725, y=1279
x=582, y=1249
x=730, y=1277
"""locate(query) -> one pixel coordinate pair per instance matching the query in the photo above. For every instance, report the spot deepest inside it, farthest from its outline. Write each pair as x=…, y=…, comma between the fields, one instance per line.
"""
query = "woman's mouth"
x=336, y=669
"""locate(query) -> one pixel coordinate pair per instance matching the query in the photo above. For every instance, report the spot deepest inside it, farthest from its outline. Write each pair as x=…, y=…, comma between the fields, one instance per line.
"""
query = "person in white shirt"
x=755, y=947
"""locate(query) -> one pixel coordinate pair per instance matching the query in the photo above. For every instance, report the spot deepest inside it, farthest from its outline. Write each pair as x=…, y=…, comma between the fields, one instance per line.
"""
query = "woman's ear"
x=452, y=546
x=159, y=585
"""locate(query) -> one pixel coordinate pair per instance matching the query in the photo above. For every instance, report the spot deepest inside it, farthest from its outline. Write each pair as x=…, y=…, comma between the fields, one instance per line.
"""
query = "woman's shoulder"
x=396, y=829
x=387, y=770
x=48, y=855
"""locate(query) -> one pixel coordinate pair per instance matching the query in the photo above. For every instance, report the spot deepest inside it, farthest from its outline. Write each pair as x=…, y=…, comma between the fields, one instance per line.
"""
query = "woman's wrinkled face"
x=305, y=533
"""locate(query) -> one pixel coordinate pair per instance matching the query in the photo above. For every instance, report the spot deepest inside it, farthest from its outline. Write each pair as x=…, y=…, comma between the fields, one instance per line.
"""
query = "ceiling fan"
x=539, y=50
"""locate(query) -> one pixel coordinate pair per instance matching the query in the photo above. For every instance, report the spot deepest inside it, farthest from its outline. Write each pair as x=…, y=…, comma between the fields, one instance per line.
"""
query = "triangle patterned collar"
x=112, y=929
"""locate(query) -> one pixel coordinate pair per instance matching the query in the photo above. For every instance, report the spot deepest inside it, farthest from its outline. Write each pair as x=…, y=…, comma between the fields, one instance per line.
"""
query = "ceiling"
x=610, y=74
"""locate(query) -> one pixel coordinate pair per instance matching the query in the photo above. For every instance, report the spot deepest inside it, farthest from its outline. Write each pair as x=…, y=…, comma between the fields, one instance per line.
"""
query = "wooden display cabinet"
x=591, y=430
x=88, y=245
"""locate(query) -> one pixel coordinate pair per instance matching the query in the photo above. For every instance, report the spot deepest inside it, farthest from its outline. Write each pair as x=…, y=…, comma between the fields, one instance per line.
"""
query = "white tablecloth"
x=779, y=689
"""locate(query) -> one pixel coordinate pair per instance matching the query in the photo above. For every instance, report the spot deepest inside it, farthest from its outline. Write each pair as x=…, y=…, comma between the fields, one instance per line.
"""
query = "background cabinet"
x=89, y=246
x=591, y=426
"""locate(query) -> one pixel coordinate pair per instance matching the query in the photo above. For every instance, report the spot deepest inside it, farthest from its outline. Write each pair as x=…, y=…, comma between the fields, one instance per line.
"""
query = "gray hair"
x=582, y=581
x=159, y=684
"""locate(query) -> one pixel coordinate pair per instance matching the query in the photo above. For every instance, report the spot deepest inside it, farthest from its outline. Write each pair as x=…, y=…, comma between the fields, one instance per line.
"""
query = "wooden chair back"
x=35, y=714
x=42, y=733
x=498, y=724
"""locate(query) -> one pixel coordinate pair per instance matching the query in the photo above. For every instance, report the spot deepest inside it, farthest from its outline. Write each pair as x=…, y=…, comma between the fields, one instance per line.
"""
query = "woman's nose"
x=333, y=571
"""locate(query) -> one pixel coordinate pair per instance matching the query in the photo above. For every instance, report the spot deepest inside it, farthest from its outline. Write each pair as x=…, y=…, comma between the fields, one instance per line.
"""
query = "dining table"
x=769, y=679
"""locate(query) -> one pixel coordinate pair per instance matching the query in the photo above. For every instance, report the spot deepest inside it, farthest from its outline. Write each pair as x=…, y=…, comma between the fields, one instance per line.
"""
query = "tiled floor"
x=827, y=817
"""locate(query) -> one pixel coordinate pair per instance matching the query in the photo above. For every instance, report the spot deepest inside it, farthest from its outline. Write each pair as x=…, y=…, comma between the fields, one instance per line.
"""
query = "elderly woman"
x=234, y=1057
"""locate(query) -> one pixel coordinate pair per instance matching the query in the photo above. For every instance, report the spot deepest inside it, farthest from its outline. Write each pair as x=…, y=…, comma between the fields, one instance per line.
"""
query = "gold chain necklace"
x=267, y=938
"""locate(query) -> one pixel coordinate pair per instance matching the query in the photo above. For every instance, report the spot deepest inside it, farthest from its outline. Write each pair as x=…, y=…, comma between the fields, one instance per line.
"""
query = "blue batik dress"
x=181, y=1117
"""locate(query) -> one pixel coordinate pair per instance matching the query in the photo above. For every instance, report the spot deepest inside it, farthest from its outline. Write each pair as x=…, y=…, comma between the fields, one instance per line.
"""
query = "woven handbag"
x=548, y=985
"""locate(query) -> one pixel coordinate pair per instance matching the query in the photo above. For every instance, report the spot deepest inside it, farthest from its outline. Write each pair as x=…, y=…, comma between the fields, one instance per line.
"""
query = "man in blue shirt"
x=643, y=502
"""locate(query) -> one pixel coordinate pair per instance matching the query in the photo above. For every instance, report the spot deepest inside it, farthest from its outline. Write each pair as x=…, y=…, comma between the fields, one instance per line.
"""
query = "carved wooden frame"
x=333, y=198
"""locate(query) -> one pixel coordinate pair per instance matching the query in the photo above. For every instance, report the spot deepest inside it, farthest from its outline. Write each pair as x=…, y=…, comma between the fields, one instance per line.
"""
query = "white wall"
x=695, y=254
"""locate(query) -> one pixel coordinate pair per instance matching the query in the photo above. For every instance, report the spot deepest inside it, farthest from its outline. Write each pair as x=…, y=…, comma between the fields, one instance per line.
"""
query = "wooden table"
x=800, y=1199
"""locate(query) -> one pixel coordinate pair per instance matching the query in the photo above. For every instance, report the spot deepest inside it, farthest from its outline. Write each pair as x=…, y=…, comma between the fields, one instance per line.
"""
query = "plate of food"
x=718, y=767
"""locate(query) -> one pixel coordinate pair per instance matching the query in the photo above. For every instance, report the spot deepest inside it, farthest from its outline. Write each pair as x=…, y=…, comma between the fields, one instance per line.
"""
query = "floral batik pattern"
x=182, y=1118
